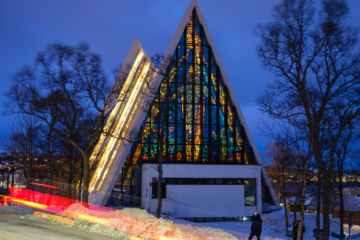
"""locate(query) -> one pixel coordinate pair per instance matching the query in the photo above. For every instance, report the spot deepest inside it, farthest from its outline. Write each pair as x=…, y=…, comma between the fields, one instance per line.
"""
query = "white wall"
x=207, y=200
x=202, y=171
x=145, y=188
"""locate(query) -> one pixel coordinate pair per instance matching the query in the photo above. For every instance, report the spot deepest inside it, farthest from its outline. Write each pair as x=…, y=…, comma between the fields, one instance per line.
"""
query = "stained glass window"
x=201, y=126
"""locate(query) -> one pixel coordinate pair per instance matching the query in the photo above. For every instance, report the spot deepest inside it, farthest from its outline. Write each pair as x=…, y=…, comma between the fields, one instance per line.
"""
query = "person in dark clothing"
x=256, y=226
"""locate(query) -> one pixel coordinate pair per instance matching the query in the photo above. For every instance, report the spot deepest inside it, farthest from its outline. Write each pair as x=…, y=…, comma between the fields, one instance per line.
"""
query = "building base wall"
x=204, y=200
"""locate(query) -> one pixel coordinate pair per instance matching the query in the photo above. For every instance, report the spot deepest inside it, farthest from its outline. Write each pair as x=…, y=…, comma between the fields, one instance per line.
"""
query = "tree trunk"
x=302, y=210
x=341, y=212
x=318, y=207
x=86, y=178
x=326, y=206
x=71, y=176
x=81, y=176
x=159, y=205
x=285, y=206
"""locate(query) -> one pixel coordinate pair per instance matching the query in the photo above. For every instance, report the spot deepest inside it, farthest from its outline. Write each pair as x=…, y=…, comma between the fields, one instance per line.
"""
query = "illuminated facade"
x=204, y=130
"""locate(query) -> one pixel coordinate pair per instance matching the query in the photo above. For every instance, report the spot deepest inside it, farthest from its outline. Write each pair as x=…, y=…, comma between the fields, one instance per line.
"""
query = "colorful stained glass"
x=230, y=135
x=189, y=73
x=180, y=93
x=223, y=157
x=181, y=73
x=201, y=123
x=189, y=116
x=198, y=115
x=223, y=135
x=231, y=153
x=189, y=34
x=189, y=154
x=171, y=153
x=222, y=115
x=198, y=134
x=214, y=154
x=213, y=114
x=171, y=135
x=206, y=114
x=179, y=152
x=180, y=134
x=189, y=133
x=189, y=54
x=172, y=72
x=222, y=94
x=154, y=132
x=180, y=113
x=163, y=88
x=155, y=113
x=205, y=75
x=205, y=154
x=146, y=152
x=146, y=133
x=189, y=94
x=197, y=153
x=214, y=135
x=238, y=154
x=197, y=94
x=198, y=35
x=231, y=115
x=197, y=74
x=191, y=19
x=205, y=54
x=172, y=113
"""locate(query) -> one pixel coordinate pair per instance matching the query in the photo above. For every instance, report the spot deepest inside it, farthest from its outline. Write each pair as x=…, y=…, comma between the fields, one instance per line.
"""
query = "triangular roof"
x=120, y=157
x=172, y=47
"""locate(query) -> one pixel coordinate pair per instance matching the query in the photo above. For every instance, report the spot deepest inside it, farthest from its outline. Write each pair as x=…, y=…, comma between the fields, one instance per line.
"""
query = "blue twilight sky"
x=110, y=27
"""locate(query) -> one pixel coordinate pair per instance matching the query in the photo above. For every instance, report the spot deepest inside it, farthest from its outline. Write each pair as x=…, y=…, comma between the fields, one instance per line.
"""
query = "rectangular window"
x=205, y=153
x=181, y=73
x=189, y=134
x=250, y=191
x=189, y=95
x=206, y=114
x=189, y=115
x=189, y=54
x=181, y=53
x=213, y=114
x=180, y=113
x=180, y=134
x=189, y=153
x=198, y=134
x=172, y=92
x=214, y=135
x=171, y=113
x=171, y=135
x=179, y=153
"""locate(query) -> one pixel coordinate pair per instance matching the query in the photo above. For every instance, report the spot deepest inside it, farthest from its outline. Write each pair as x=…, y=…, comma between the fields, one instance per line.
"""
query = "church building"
x=211, y=167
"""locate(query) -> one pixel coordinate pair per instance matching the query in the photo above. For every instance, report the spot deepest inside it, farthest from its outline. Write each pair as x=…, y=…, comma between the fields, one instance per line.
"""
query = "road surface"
x=13, y=227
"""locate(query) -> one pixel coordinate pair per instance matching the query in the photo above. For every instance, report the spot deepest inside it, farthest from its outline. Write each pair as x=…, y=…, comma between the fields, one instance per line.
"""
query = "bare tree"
x=22, y=143
x=68, y=91
x=318, y=74
x=160, y=66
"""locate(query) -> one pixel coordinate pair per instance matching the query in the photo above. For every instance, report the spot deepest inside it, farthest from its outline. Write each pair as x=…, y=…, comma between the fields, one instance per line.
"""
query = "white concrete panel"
x=250, y=210
x=167, y=205
x=207, y=200
x=211, y=171
x=145, y=188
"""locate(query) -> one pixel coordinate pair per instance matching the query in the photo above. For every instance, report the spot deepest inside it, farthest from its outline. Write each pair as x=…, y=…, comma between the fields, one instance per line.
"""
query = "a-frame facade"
x=204, y=127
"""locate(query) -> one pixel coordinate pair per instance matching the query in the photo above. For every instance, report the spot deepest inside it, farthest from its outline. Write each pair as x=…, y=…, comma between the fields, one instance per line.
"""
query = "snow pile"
x=138, y=222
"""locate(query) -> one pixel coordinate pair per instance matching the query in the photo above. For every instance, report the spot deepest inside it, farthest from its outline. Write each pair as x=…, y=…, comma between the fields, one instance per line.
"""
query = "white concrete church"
x=211, y=167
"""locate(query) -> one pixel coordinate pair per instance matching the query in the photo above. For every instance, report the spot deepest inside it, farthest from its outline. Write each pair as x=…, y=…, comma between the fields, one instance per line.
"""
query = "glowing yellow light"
x=121, y=117
x=57, y=218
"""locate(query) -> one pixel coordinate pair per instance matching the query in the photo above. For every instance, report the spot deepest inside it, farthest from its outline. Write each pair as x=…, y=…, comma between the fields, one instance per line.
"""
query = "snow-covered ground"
x=129, y=223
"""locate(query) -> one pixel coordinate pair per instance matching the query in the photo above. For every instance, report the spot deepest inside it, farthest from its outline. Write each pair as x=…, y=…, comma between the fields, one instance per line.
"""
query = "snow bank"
x=138, y=222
